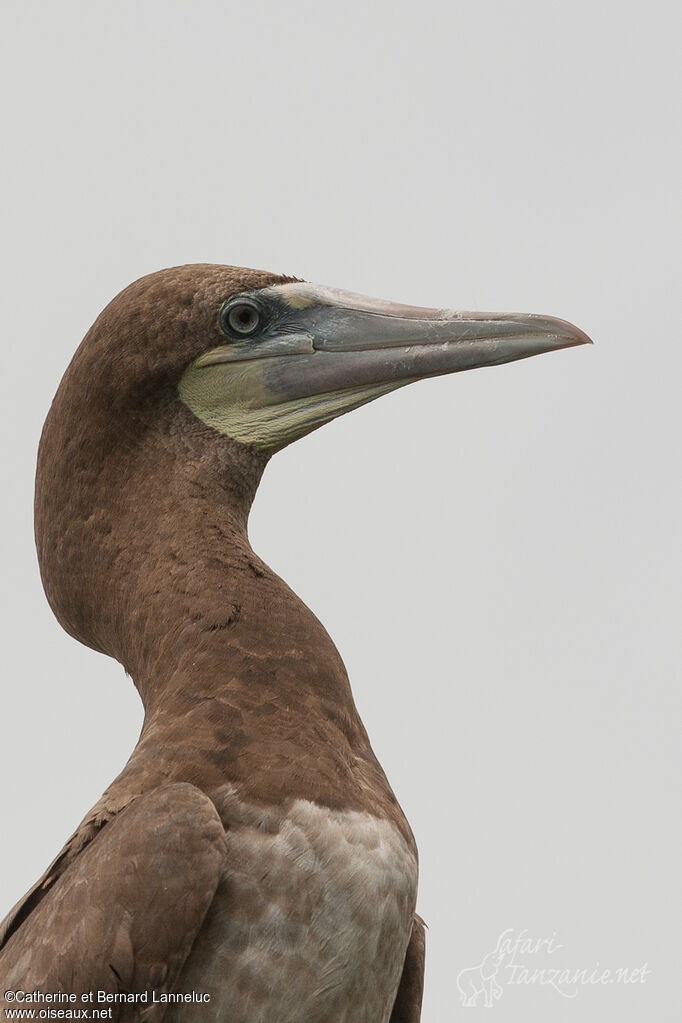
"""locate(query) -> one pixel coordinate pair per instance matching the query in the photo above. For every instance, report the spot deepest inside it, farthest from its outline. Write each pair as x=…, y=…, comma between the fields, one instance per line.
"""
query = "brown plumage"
x=252, y=848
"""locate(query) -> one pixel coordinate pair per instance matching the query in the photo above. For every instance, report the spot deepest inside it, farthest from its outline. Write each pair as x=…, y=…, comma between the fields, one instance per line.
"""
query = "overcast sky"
x=497, y=553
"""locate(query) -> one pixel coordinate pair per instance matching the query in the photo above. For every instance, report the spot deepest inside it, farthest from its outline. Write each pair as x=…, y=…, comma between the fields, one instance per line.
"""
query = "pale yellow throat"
x=233, y=398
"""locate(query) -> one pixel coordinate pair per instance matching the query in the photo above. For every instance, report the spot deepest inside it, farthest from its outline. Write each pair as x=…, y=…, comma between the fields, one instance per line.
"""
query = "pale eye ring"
x=241, y=318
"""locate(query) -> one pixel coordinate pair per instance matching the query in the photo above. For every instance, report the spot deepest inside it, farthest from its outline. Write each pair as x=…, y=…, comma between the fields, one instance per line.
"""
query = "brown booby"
x=250, y=863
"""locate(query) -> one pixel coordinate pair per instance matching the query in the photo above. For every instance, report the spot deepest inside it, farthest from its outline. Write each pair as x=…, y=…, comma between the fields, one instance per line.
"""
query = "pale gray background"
x=496, y=553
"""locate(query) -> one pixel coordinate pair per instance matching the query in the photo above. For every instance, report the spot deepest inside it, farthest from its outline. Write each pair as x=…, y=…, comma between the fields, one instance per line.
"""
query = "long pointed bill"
x=322, y=352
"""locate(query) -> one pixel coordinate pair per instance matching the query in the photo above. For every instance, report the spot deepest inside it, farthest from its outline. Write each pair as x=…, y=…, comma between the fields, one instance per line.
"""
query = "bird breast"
x=310, y=922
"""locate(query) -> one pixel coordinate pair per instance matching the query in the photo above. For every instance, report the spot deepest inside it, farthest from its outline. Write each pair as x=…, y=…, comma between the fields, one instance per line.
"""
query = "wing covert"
x=124, y=914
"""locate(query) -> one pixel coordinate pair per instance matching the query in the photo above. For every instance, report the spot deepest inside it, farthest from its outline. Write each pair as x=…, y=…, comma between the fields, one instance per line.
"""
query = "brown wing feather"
x=408, y=1001
x=125, y=912
x=28, y=902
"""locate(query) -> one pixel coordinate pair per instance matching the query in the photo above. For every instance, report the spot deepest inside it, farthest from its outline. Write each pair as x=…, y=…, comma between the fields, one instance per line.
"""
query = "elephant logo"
x=474, y=981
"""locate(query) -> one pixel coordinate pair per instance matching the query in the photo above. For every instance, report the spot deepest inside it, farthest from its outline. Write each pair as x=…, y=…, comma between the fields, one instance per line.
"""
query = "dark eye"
x=241, y=318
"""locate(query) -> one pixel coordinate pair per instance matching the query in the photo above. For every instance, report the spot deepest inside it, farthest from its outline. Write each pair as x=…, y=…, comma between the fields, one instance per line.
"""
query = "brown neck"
x=149, y=561
x=141, y=527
